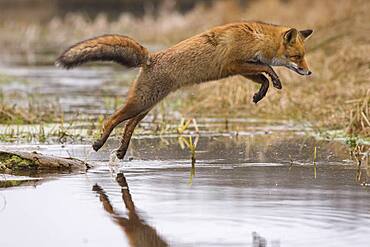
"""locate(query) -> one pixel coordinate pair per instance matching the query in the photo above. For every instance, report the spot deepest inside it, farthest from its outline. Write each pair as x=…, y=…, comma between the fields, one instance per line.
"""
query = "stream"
x=255, y=182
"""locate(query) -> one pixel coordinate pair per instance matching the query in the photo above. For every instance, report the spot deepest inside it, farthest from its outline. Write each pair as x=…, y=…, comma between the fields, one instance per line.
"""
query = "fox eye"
x=296, y=57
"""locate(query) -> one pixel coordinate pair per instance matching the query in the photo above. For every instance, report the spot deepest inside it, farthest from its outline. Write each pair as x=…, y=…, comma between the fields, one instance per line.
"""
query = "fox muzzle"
x=302, y=71
x=299, y=70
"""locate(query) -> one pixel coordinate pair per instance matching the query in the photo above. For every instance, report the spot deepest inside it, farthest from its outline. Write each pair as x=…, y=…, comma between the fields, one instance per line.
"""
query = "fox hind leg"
x=126, y=112
x=129, y=130
x=142, y=97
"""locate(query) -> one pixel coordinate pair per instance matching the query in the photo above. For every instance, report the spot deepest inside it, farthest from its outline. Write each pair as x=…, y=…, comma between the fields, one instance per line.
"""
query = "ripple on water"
x=222, y=207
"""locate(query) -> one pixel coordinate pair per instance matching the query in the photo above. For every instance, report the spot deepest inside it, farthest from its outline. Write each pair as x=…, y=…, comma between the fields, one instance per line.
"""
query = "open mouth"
x=299, y=70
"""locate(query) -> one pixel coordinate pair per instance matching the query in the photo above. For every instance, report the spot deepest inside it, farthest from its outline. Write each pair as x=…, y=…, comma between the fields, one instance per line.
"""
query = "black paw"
x=257, y=97
x=277, y=83
x=121, y=153
x=97, y=145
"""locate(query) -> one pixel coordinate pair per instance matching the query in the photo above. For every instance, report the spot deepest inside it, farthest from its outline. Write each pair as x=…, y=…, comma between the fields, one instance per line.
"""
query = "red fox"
x=248, y=49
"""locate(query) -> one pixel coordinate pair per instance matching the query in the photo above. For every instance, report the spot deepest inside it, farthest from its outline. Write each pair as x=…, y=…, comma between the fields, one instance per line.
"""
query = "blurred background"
x=34, y=32
x=45, y=10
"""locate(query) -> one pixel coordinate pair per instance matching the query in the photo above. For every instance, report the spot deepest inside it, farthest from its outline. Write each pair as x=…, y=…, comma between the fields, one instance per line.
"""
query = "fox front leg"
x=243, y=68
x=275, y=78
x=261, y=79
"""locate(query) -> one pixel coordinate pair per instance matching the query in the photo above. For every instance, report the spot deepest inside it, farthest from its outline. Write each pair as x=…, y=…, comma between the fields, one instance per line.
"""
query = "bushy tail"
x=117, y=48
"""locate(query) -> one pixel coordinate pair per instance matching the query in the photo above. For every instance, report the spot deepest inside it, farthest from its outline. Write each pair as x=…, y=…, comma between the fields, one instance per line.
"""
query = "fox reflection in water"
x=139, y=234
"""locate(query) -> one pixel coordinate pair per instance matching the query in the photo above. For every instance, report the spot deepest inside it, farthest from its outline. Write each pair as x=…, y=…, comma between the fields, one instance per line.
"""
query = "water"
x=254, y=181
x=82, y=90
x=241, y=185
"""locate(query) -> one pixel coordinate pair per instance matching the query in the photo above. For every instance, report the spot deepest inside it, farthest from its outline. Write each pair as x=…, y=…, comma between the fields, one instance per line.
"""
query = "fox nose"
x=305, y=71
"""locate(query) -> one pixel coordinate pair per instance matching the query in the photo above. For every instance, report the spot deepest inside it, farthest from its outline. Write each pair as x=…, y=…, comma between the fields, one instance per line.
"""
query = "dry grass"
x=338, y=54
x=14, y=115
x=20, y=115
x=359, y=116
x=157, y=31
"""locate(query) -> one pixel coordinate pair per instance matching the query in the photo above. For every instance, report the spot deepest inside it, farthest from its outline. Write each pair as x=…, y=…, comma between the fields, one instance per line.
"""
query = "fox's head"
x=291, y=52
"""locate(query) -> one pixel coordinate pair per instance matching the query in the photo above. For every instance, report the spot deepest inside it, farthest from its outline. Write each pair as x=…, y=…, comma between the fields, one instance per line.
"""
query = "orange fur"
x=245, y=48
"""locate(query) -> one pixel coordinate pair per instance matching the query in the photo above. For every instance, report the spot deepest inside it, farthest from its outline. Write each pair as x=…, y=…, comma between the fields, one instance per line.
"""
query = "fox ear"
x=290, y=36
x=306, y=33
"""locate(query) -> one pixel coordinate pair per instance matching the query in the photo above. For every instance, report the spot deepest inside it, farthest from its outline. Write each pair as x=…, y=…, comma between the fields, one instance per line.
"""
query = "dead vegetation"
x=13, y=114
x=334, y=97
x=359, y=116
